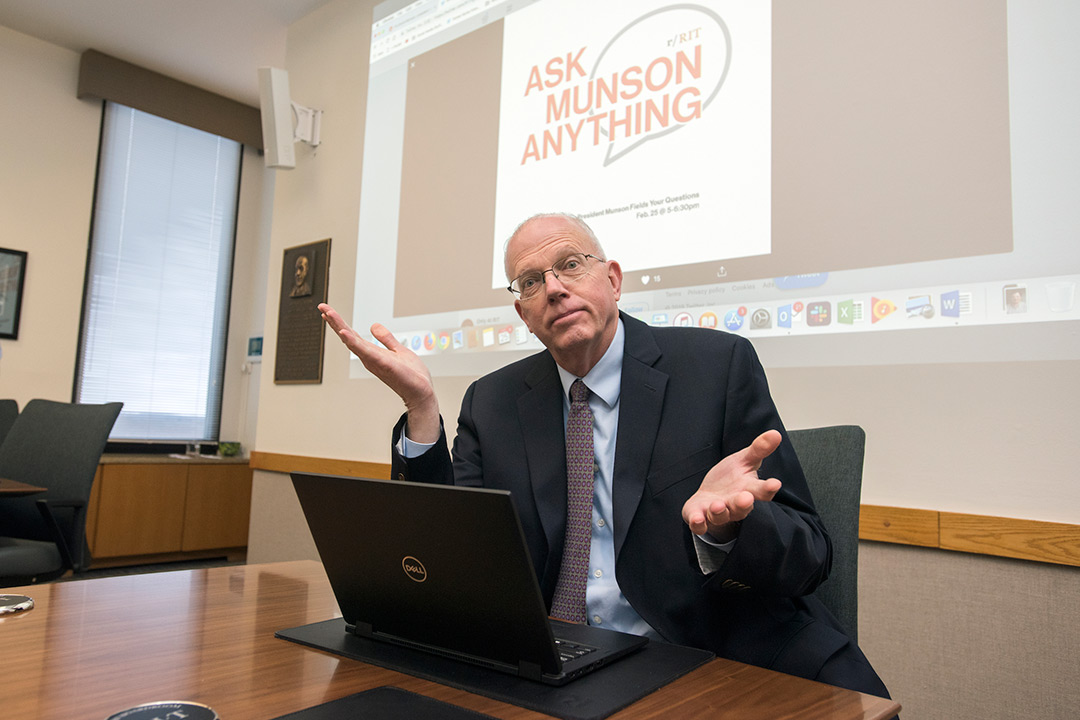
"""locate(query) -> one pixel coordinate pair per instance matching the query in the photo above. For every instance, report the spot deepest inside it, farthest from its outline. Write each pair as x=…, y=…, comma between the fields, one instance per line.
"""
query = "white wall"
x=49, y=150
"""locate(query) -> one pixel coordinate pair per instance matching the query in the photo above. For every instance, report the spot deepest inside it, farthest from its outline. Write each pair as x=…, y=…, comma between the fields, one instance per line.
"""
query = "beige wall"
x=969, y=637
x=49, y=148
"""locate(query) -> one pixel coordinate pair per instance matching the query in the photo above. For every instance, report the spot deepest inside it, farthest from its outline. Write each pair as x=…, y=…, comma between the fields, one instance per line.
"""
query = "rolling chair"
x=56, y=446
x=9, y=410
x=832, y=460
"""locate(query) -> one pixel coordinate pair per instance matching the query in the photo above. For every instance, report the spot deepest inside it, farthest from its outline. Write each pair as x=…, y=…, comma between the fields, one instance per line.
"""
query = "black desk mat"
x=592, y=697
x=385, y=703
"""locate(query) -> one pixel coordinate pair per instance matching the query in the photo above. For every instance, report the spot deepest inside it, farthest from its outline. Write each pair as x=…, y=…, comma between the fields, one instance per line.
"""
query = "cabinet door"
x=140, y=510
x=218, y=506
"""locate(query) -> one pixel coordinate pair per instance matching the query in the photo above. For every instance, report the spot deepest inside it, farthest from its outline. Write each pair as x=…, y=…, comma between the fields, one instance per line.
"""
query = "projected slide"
x=628, y=121
x=780, y=169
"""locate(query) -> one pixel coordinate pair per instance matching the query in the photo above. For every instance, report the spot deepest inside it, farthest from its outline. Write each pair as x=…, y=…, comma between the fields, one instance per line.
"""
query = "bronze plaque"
x=305, y=274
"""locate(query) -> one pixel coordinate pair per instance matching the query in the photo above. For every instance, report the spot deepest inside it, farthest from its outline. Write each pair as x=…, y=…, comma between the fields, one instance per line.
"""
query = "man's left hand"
x=730, y=489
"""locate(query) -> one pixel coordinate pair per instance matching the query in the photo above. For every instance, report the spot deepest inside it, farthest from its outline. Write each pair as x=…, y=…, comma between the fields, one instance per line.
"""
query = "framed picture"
x=305, y=273
x=12, y=275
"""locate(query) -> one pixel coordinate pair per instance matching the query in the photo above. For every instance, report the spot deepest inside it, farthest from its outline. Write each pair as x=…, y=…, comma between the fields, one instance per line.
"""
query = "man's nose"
x=553, y=286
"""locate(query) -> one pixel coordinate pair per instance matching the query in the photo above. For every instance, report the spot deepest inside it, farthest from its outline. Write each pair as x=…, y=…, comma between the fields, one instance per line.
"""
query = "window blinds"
x=157, y=297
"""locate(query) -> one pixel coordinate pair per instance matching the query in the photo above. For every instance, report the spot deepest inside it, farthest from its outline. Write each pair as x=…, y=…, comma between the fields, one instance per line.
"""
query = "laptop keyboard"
x=572, y=651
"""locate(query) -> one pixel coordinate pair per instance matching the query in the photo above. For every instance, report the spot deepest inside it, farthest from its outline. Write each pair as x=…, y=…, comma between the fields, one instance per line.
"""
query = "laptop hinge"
x=362, y=629
x=530, y=671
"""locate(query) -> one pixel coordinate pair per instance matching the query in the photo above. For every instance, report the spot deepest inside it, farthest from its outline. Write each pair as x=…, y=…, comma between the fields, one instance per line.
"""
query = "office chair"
x=56, y=446
x=9, y=410
x=832, y=460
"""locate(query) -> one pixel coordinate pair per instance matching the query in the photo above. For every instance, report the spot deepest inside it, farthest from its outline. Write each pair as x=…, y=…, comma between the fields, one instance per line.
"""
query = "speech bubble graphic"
x=673, y=27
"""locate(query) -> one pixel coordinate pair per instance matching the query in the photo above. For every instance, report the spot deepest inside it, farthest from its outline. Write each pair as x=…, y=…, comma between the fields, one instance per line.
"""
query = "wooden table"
x=14, y=488
x=91, y=648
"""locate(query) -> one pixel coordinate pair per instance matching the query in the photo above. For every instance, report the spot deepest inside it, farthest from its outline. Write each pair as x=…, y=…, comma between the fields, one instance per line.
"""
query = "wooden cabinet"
x=165, y=508
x=217, y=508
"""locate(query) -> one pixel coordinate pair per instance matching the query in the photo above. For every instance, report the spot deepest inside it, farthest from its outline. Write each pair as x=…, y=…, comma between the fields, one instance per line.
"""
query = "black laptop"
x=445, y=570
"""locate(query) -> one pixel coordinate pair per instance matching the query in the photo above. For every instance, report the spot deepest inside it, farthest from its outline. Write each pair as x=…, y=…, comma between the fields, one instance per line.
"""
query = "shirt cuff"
x=409, y=449
x=710, y=553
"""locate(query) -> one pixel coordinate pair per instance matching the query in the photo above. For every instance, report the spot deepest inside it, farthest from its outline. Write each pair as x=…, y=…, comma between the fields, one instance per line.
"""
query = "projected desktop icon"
x=760, y=319
x=733, y=320
x=1061, y=294
x=1014, y=299
x=881, y=309
x=783, y=316
x=818, y=313
x=683, y=319
x=919, y=306
x=708, y=320
x=849, y=312
x=955, y=303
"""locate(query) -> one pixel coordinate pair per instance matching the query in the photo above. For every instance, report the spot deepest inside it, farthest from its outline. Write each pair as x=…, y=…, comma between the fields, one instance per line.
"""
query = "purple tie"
x=569, y=600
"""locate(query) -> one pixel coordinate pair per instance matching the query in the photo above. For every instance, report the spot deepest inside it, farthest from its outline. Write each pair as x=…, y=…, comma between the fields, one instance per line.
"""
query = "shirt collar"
x=605, y=379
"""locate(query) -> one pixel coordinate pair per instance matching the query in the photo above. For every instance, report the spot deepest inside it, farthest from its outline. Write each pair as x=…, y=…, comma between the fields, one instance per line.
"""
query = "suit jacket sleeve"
x=432, y=467
x=783, y=549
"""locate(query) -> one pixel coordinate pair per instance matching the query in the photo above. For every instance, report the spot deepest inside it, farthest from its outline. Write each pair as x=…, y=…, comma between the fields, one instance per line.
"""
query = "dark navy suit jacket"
x=689, y=398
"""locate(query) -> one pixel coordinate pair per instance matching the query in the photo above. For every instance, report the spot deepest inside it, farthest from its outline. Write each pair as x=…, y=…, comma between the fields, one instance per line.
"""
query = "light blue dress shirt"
x=605, y=604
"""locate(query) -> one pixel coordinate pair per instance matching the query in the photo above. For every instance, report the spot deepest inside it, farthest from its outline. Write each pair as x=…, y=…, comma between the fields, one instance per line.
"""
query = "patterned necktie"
x=569, y=600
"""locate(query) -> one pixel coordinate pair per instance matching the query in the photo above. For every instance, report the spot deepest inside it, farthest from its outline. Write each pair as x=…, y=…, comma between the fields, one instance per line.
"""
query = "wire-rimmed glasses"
x=569, y=269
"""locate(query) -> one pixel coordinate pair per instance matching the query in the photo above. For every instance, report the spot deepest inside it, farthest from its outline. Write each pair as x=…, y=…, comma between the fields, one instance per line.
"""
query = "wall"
x=49, y=150
x=966, y=637
x=49, y=145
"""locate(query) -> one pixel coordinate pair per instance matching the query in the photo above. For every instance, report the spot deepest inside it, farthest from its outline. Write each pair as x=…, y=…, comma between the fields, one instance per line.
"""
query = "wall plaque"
x=305, y=274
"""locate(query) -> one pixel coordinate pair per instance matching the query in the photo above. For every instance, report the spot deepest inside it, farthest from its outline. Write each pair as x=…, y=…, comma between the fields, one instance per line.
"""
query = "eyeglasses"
x=570, y=269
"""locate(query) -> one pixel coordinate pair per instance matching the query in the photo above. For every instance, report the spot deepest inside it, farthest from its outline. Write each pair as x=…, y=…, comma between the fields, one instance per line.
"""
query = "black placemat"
x=386, y=703
x=592, y=697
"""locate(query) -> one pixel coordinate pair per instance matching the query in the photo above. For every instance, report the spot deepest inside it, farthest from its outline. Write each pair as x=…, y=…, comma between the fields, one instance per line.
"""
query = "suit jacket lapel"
x=641, y=402
x=540, y=410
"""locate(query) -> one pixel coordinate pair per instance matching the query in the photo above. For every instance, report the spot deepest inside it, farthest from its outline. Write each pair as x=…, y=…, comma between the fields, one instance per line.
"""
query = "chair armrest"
x=67, y=552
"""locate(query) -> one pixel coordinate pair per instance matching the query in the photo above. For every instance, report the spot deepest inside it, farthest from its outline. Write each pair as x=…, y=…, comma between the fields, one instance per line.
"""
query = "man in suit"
x=703, y=531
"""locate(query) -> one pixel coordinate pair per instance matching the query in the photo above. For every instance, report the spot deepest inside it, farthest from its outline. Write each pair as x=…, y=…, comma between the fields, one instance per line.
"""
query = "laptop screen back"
x=440, y=566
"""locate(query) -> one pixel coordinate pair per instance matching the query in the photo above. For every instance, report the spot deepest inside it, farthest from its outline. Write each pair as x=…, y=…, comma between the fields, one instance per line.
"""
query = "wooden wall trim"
x=277, y=462
x=1037, y=540
x=906, y=526
x=1008, y=537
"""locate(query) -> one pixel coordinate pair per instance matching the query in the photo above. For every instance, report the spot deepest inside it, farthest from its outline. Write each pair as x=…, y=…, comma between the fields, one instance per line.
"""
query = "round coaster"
x=167, y=710
x=15, y=603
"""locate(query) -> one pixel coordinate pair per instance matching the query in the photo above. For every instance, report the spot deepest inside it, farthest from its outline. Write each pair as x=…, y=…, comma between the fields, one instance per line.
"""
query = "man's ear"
x=615, y=276
x=517, y=306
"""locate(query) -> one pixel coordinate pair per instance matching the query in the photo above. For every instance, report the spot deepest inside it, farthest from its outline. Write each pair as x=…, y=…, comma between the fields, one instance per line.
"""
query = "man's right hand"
x=399, y=368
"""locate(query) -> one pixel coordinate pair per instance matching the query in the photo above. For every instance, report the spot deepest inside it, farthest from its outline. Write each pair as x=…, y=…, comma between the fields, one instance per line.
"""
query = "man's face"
x=575, y=321
x=301, y=269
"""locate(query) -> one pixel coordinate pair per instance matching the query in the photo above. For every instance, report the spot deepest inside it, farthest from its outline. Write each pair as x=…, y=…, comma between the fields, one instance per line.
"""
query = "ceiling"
x=214, y=44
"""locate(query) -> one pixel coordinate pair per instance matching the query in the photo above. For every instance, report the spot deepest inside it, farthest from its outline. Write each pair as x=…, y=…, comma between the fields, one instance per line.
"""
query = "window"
x=156, y=307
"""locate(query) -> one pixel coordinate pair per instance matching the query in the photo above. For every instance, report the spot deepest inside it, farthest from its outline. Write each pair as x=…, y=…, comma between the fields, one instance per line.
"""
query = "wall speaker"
x=275, y=106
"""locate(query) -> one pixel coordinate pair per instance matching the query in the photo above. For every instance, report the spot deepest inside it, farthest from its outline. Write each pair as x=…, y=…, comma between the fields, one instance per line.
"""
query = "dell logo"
x=414, y=568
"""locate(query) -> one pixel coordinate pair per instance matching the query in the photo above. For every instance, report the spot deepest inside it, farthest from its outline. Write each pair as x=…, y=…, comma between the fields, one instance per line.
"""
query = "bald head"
x=586, y=236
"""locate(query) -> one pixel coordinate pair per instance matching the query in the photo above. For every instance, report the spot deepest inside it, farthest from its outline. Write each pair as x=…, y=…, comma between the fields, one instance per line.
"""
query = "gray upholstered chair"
x=832, y=459
x=9, y=410
x=56, y=446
